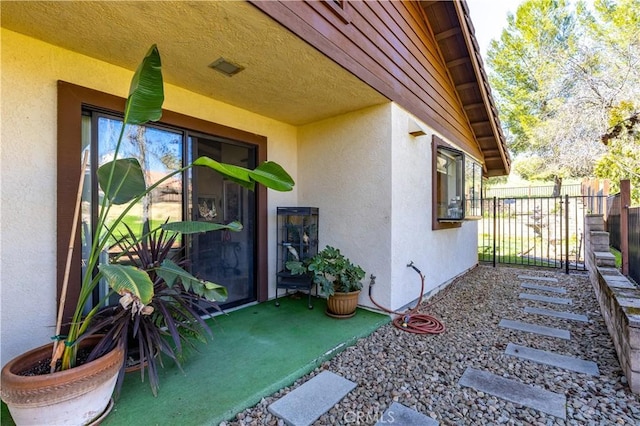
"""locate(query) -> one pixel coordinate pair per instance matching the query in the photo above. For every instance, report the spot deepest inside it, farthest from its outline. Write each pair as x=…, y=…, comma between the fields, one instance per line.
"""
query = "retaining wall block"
x=604, y=258
x=634, y=338
x=599, y=241
x=633, y=357
x=594, y=222
x=619, y=300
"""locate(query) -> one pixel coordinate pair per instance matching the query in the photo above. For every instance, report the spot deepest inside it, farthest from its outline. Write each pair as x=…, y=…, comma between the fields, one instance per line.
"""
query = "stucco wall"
x=440, y=255
x=344, y=170
x=30, y=69
x=372, y=183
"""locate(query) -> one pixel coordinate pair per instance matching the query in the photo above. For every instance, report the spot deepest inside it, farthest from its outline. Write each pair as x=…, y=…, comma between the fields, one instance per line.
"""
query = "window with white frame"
x=472, y=188
x=450, y=179
x=457, y=186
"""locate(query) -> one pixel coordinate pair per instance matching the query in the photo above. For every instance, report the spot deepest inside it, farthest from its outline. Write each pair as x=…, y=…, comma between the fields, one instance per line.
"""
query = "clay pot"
x=342, y=305
x=72, y=397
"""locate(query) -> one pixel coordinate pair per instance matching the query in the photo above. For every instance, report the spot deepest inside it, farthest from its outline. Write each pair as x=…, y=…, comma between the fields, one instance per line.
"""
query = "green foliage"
x=172, y=274
x=145, y=324
x=614, y=24
x=561, y=72
x=530, y=168
x=330, y=270
x=495, y=180
x=128, y=280
x=525, y=63
x=190, y=227
x=127, y=180
x=146, y=92
x=616, y=27
x=622, y=158
x=622, y=161
x=618, y=257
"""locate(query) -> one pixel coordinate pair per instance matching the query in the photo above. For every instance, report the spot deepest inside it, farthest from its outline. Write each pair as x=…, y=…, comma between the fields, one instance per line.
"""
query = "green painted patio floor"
x=255, y=351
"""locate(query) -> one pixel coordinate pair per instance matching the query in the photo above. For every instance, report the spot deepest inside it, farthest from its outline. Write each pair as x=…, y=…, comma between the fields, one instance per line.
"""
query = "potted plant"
x=336, y=276
x=84, y=362
x=176, y=319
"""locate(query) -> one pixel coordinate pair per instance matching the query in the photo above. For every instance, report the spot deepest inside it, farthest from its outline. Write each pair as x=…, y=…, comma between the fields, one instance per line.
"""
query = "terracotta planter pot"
x=342, y=305
x=72, y=397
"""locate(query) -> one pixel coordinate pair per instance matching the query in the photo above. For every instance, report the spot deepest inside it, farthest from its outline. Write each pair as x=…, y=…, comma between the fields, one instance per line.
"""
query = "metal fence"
x=535, y=231
x=615, y=239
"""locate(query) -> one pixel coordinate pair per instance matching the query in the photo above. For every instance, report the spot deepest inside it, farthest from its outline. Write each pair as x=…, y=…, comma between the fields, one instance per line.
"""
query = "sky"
x=489, y=17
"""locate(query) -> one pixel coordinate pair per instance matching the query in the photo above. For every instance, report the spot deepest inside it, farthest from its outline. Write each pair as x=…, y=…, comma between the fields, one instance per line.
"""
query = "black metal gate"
x=540, y=231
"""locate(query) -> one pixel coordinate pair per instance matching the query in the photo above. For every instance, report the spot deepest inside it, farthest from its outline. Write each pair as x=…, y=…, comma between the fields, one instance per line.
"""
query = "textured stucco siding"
x=440, y=255
x=344, y=169
x=372, y=182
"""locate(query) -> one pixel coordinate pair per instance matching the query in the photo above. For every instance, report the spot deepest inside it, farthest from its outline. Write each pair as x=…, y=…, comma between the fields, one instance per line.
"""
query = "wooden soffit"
x=454, y=33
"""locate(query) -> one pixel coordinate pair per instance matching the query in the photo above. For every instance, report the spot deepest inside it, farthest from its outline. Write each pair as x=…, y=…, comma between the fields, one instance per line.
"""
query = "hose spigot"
x=410, y=265
x=371, y=283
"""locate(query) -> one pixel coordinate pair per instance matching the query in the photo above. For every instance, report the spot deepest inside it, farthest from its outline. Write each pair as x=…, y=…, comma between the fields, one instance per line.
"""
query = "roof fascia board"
x=423, y=14
x=462, y=13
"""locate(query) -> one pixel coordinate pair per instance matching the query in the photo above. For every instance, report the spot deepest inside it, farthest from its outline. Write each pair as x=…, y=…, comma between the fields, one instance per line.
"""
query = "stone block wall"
x=619, y=299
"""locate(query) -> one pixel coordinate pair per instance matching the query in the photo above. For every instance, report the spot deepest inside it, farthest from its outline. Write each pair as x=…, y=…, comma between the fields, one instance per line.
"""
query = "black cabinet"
x=297, y=240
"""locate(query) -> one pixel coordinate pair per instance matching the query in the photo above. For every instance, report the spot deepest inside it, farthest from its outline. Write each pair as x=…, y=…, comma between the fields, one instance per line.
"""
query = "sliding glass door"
x=223, y=257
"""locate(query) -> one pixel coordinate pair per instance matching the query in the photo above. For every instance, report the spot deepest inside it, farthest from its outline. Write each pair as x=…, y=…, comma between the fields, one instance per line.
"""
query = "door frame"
x=71, y=100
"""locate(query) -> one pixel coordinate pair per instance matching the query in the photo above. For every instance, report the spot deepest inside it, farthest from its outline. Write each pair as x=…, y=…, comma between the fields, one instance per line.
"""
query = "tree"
x=614, y=28
x=558, y=74
x=524, y=63
x=622, y=160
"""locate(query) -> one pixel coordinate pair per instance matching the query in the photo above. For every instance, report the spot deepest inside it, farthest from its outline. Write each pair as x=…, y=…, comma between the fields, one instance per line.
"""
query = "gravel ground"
x=422, y=371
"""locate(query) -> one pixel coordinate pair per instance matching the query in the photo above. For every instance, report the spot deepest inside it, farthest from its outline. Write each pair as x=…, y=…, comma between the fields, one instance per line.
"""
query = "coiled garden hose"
x=411, y=321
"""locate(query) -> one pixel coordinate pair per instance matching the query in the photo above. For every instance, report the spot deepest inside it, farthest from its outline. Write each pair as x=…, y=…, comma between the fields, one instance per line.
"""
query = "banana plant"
x=122, y=182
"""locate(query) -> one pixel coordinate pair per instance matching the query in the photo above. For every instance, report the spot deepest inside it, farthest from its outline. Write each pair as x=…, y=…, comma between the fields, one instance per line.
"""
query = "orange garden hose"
x=411, y=321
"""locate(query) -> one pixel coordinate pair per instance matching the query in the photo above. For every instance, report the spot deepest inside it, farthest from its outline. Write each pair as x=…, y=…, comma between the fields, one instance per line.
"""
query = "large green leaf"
x=270, y=174
x=237, y=174
x=273, y=176
x=146, y=93
x=127, y=182
x=170, y=272
x=192, y=227
x=126, y=278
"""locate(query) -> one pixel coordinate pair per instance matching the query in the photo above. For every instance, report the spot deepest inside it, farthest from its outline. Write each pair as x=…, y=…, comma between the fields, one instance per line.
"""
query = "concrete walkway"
x=518, y=392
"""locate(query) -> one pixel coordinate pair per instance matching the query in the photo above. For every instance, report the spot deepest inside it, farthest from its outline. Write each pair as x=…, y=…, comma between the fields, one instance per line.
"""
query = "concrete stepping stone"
x=537, y=329
x=398, y=414
x=547, y=299
x=516, y=392
x=305, y=404
x=553, y=359
x=531, y=277
x=556, y=314
x=559, y=290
